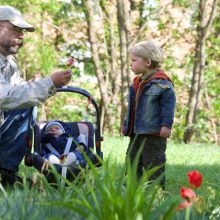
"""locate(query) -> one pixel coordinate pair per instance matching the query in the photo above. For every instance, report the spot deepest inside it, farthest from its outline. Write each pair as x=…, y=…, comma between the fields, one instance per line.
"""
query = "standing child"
x=59, y=147
x=150, y=110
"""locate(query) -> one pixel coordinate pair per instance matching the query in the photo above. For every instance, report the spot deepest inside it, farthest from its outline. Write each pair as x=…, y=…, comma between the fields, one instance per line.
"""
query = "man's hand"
x=165, y=132
x=61, y=78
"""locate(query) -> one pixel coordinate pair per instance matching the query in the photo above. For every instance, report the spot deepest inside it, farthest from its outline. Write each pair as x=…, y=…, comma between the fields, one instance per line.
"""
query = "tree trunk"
x=123, y=21
x=205, y=22
x=102, y=116
x=92, y=35
x=111, y=43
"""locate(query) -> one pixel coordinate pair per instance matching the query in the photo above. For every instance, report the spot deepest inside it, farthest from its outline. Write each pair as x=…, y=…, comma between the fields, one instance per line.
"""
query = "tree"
x=101, y=75
x=206, y=16
x=123, y=8
x=98, y=37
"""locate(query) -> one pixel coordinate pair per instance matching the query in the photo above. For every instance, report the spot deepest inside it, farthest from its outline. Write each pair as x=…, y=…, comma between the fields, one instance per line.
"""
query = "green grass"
x=181, y=158
x=103, y=195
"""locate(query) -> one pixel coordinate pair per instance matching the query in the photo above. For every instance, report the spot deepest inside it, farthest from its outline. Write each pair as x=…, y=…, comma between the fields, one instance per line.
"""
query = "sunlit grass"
x=106, y=193
x=181, y=158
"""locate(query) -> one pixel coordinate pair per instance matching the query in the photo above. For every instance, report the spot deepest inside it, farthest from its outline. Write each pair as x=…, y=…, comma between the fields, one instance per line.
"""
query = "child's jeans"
x=152, y=154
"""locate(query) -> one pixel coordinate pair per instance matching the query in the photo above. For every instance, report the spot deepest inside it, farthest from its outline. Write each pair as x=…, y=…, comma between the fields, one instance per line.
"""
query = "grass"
x=103, y=195
x=181, y=159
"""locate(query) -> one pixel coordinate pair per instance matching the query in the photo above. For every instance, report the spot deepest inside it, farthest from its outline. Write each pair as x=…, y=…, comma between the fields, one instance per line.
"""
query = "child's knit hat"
x=148, y=50
x=53, y=123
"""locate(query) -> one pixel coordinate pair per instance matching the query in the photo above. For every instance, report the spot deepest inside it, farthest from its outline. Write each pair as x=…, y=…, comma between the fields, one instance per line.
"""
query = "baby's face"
x=55, y=130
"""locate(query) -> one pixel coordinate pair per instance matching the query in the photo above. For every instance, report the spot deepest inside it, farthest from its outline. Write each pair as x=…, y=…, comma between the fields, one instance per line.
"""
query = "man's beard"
x=13, y=49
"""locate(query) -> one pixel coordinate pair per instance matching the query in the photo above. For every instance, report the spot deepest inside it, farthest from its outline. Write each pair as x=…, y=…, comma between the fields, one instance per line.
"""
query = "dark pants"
x=13, y=143
x=152, y=155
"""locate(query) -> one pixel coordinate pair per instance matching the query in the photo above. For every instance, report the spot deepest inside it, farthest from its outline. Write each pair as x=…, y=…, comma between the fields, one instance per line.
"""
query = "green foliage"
x=15, y=3
x=179, y=126
x=89, y=68
x=47, y=59
x=182, y=3
x=57, y=36
x=161, y=25
x=41, y=61
x=105, y=196
x=106, y=193
x=170, y=62
x=212, y=72
x=70, y=107
x=176, y=34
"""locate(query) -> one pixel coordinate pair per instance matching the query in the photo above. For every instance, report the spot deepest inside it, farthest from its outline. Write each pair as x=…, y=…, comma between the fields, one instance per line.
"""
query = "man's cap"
x=11, y=14
x=53, y=123
x=148, y=50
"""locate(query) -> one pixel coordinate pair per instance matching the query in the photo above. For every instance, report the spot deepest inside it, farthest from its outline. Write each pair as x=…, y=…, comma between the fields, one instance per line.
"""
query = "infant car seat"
x=93, y=136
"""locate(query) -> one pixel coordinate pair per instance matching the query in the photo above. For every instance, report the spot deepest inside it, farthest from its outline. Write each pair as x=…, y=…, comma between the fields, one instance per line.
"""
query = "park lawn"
x=181, y=158
x=38, y=203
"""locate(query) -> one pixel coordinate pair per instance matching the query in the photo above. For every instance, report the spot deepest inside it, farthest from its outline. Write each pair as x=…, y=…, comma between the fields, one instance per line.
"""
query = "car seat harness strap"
x=68, y=145
x=66, y=150
x=52, y=149
x=65, y=153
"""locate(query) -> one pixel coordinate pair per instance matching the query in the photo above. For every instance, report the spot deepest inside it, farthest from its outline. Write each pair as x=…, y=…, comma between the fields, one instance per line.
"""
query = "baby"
x=59, y=147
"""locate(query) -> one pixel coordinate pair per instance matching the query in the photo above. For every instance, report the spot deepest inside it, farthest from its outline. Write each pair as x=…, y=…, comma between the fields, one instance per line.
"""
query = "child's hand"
x=80, y=148
x=165, y=132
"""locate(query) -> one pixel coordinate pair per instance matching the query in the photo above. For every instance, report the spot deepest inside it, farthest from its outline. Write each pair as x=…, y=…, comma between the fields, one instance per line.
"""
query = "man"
x=17, y=96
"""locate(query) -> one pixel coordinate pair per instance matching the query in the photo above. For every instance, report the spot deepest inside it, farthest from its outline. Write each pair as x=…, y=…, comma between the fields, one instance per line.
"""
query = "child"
x=150, y=110
x=59, y=147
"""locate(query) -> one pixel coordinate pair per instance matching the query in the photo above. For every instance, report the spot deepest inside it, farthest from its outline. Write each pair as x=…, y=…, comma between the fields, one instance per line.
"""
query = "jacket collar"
x=140, y=81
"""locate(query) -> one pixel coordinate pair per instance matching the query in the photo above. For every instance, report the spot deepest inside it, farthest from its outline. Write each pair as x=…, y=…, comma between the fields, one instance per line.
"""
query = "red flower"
x=70, y=62
x=184, y=205
x=187, y=194
x=195, y=178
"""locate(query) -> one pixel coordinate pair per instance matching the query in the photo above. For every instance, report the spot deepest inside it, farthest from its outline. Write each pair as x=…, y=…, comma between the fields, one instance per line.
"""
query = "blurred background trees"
x=98, y=35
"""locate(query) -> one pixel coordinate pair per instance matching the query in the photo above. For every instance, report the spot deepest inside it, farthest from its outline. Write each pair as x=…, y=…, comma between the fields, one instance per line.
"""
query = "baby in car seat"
x=59, y=147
